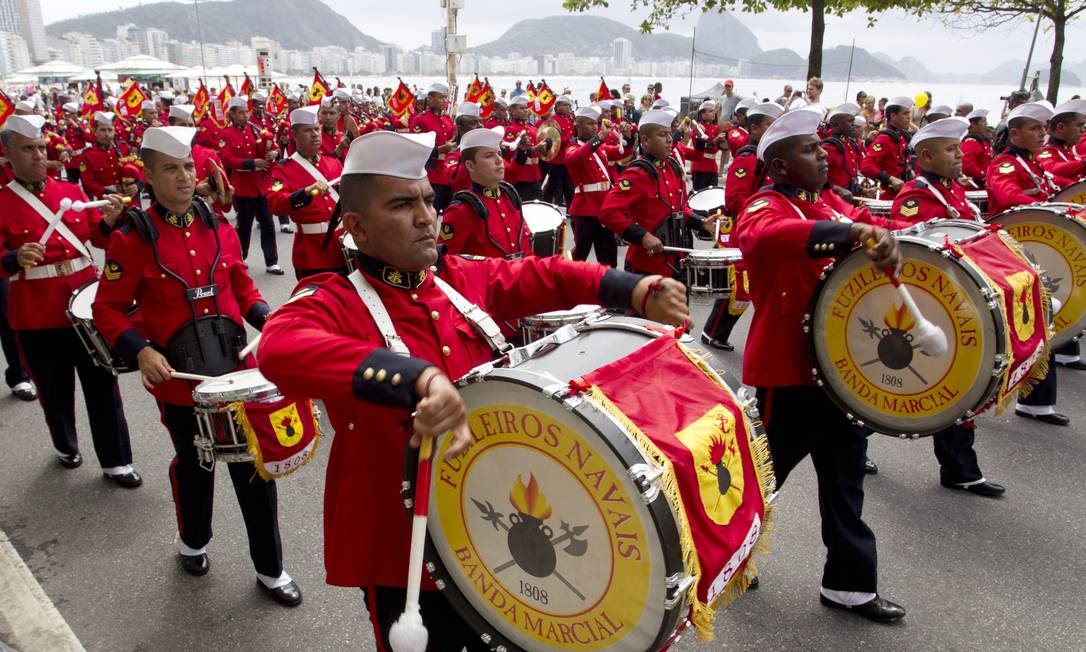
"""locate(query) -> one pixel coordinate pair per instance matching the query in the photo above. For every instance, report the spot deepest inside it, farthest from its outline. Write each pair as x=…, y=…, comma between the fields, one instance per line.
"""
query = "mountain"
x=585, y=35
x=1010, y=73
x=835, y=65
x=720, y=35
x=781, y=63
x=909, y=66
x=296, y=24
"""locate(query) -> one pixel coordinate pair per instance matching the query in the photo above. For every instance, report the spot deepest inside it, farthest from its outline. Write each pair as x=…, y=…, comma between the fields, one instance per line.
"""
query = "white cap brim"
x=182, y=111
x=482, y=138
x=592, y=112
x=391, y=154
x=771, y=109
x=901, y=101
x=952, y=127
x=1041, y=111
x=238, y=101
x=103, y=117
x=977, y=113
x=1070, y=106
x=468, y=108
x=175, y=142
x=29, y=126
x=656, y=117
x=800, y=122
x=848, y=108
x=306, y=115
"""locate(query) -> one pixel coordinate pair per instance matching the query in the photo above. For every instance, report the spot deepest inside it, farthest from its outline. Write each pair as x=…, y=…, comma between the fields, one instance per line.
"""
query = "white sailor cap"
x=103, y=117
x=941, y=109
x=771, y=109
x=976, y=114
x=563, y=98
x=341, y=94
x=182, y=111
x=70, y=107
x=953, y=127
x=28, y=126
x=182, y=99
x=900, y=101
x=259, y=96
x=482, y=138
x=794, y=123
x=848, y=108
x=519, y=100
x=327, y=101
x=1070, y=106
x=147, y=105
x=500, y=101
x=238, y=101
x=166, y=95
x=390, y=154
x=745, y=104
x=706, y=105
x=605, y=105
x=656, y=117
x=294, y=96
x=111, y=102
x=171, y=141
x=660, y=103
x=1041, y=111
x=591, y=112
x=25, y=105
x=306, y=115
x=860, y=121
x=469, y=109
x=438, y=87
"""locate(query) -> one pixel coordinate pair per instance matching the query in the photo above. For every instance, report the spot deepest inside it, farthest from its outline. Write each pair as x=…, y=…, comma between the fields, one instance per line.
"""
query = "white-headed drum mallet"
x=408, y=633
x=930, y=338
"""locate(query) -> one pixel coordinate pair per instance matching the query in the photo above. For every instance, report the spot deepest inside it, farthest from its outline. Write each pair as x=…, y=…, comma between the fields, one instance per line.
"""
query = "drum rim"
x=254, y=394
x=877, y=425
x=702, y=211
x=566, y=319
x=82, y=325
x=713, y=255
x=664, y=521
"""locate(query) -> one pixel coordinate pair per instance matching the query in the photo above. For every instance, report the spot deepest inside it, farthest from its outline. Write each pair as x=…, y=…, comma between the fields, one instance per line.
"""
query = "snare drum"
x=877, y=207
x=547, y=225
x=1072, y=194
x=1056, y=238
x=707, y=272
x=346, y=243
x=538, y=326
x=974, y=284
x=979, y=198
x=705, y=203
x=220, y=435
x=82, y=318
x=582, y=512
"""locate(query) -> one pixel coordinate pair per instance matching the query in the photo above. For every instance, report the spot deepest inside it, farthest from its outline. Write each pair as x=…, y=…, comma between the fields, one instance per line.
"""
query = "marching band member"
x=524, y=172
x=787, y=235
x=301, y=189
x=76, y=135
x=435, y=120
x=707, y=141
x=100, y=166
x=587, y=160
x=739, y=134
x=467, y=119
x=558, y=182
x=977, y=147
x=500, y=115
x=1058, y=156
x=183, y=268
x=936, y=194
x=336, y=325
x=844, y=164
x=43, y=277
x=333, y=141
x=887, y=158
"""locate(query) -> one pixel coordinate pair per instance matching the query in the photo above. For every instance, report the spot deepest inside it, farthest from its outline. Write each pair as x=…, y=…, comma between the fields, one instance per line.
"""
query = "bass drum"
x=861, y=334
x=1072, y=194
x=1055, y=235
x=705, y=203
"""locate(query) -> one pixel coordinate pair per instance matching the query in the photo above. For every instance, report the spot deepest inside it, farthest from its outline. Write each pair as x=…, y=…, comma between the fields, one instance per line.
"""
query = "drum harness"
x=1036, y=181
x=473, y=200
x=951, y=211
x=671, y=227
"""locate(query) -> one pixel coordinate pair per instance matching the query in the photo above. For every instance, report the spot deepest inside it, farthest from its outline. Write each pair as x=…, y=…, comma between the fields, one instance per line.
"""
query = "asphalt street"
x=974, y=573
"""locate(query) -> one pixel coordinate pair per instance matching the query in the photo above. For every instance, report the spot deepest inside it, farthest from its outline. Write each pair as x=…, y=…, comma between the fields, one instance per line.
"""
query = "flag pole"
x=848, y=80
x=693, y=40
x=200, y=35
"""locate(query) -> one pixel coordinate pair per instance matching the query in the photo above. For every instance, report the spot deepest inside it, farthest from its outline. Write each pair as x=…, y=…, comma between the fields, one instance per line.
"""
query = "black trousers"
x=957, y=459
x=302, y=273
x=721, y=322
x=14, y=373
x=194, y=493
x=528, y=190
x=442, y=196
x=1071, y=348
x=447, y=631
x=54, y=356
x=1044, y=392
x=250, y=208
x=559, y=187
x=588, y=232
x=703, y=179
x=802, y=421
x=73, y=175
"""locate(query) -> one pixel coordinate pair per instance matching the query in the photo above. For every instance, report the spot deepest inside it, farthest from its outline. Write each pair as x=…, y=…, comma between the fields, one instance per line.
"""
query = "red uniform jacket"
x=78, y=138
x=40, y=303
x=590, y=173
x=841, y=157
x=494, y=122
x=502, y=233
x=100, y=167
x=1059, y=159
x=131, y=273
x=239, y=149
x=917, y=201
x=976, y=157
x=639, y=203
x=320, y=342
x=746, y=175
x=524, y=168
x=55, y=146
x=456, y=172
x=787, y=236
x=738, y=137
x=565, y=127
x=207, y=134
x=288, y=197
x=330, y=141
x=886, y=156
x=442, y=125
x=703, y=153
x=200, y=156
x=1010, y=176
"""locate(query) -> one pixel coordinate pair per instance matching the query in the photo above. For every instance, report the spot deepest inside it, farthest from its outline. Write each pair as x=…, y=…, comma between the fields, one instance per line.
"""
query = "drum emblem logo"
x=287, y=425
x=1022, y=285
x=719, y=462
x=895, y=350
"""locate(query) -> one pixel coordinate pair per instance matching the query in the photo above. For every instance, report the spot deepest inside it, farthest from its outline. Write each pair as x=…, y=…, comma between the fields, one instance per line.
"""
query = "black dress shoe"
x=878, y=609
x=1077, y=364
x=1053, y=418
x=870, y=468
x=129, y=480
x=985, y=488
x=754, y=584
x=195, y=564
x=716, y=344
x=288, y=595
x=25, y=391
x=73, y=461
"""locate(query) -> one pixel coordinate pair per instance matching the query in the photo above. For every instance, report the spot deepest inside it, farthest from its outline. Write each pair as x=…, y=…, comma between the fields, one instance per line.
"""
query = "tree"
x=663, y=11
x=980, y=14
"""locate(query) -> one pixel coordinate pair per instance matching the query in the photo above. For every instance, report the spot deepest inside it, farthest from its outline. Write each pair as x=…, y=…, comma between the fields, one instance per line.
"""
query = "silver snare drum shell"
x=707, y=272
x=220, y=437
x=535, y=327
x=82, y=318
x=547, y=225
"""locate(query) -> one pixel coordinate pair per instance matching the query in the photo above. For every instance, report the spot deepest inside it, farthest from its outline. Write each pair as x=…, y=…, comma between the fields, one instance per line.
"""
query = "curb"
x=28, y=620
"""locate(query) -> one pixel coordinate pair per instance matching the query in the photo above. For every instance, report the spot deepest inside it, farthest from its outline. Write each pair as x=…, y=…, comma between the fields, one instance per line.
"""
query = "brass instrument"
x=551, y=134
x=607, y=124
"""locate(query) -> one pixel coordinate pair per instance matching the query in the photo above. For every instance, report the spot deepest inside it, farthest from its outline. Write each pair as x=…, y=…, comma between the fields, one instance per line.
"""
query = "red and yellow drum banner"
x=1025, y=306
x=717, y=471
x=282, y=434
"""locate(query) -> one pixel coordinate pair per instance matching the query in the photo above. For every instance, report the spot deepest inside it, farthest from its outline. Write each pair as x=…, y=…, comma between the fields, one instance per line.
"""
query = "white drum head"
x=244, y=385
x=707, y=200
x=572, y=316
x=541, y=216
x=82, y=300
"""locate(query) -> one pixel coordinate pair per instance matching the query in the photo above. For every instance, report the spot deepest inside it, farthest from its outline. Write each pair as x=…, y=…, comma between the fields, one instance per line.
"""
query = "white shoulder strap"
x=313, y=172
x=378, y=312
x=479, y=319
x=49, y=217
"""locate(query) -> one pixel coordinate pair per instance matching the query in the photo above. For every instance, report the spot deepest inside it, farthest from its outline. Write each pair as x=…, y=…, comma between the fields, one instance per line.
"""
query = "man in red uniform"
x=467, y=119
x=844, y=165
x=148, y=118
x=738, y=136
x=182, y=266
x=44, y=273
x=587, y=162
x=77, y=136
x=248, y=157
x=886, y=160
x=1015, y=179
x=1058, y=156
x=211, y=181
x=524, y=172
x=936, y=194
x=333, y=141
x=100, y=166
x=435, y=120
x=500, y=115
x=558, y=189
x=707, y=141
x=379, y=377
x=301, y=189
x=787, y=235
x=977, y=147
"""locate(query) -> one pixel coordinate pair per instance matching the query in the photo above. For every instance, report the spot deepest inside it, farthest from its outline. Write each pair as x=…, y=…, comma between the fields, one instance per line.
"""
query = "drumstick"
x=101, y=203
x=716, y=231
x=679, y=250
x=181, y=375
x=931, y=339
x=408, y=633
x=250, y=347
x=314, y=192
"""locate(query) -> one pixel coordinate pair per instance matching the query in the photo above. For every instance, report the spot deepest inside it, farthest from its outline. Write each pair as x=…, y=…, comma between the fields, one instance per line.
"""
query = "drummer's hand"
x=29, y=254
x=317, y=188
x=115, y=208
x=882, y=247
x=440, y=410
x=843, y=194
x=667, y=305
x=153, y=367
x=652, y=244
x=896, y=183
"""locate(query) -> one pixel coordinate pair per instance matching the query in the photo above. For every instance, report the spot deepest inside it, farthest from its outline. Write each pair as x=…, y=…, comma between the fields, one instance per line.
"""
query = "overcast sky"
x=409, y=24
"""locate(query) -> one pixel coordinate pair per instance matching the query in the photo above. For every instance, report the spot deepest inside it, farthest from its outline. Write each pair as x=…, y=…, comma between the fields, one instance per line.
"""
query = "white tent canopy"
x=89, y=75
x=54, y=68
x=141, y=64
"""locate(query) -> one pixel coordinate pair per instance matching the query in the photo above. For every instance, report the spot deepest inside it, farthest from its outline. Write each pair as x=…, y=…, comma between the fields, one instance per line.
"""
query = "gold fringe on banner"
x=242, y=420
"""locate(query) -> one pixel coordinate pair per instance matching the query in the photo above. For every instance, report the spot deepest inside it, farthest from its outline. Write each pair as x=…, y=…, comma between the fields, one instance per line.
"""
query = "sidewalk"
x=28, y=620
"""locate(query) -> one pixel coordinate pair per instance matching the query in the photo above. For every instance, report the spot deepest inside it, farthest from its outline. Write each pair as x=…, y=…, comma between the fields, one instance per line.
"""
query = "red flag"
x=277, y=101
x=530, y=91
x=7, y=107
x=218, y=107
x=486, y=100
x=544, y=99
x=475, y=90
x=93, y=98
x=402, y=101
x=319, y=88
x=247, y=89
x=602, y=93
x=282, y=435
x=131, y=102
x=200, y=103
